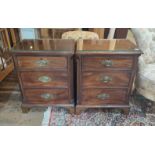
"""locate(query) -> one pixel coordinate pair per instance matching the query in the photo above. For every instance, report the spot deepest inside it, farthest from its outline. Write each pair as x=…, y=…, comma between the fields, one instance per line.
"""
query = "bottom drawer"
x=104, y=97
x=47, y=96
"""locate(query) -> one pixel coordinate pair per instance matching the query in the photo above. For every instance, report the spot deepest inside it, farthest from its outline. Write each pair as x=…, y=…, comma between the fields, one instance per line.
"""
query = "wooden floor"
x=10, y=82
x=9, y=86
x=10, y=105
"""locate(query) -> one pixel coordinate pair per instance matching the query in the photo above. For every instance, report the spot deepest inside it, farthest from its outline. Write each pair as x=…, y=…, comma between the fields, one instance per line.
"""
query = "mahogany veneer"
x=106, y=70
x=45, y=72
x=103, y=72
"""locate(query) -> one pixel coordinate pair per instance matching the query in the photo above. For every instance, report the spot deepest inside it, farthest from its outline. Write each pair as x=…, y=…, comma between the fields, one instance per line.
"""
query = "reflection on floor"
x=10, y=101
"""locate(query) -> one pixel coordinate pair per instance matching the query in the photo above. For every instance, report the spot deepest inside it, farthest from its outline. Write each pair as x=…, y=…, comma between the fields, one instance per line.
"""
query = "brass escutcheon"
x=107, y=63
x=42, y=63
x=47, y=96
x=44, y=79
x=103, y=96
x=106, y=79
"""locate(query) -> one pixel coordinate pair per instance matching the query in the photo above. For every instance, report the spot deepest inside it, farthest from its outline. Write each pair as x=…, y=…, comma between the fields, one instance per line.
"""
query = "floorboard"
x=10, y=105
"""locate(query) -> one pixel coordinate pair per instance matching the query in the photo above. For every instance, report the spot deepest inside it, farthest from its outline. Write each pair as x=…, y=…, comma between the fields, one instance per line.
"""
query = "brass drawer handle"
x=42, y=63
x=44, y=79
x=106, y=79
x=47, y=96
x=107, y=63
x=103, y=96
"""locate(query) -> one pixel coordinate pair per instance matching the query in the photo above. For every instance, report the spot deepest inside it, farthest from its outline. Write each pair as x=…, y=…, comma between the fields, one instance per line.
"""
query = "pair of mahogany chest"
x=76, y=75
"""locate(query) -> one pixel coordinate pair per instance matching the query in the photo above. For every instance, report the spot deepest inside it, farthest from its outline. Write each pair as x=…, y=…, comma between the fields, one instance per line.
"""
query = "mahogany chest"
x=45, y=72
x=106, y=70
x=100, y=74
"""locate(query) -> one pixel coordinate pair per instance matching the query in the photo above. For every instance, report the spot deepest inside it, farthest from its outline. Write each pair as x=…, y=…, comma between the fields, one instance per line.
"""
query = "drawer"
x=44, y=79
x=101, y=63
x=32, y=62
x=106, y=79
x=103, y=96
x=47, y=96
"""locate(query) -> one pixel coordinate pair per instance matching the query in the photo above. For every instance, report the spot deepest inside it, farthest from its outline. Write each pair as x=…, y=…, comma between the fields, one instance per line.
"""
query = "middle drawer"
x=44, y=79
x=106, y=79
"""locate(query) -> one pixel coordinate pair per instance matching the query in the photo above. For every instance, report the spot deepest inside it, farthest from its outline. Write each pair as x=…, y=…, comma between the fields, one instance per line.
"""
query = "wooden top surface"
x=45, y=45
x=105, y=45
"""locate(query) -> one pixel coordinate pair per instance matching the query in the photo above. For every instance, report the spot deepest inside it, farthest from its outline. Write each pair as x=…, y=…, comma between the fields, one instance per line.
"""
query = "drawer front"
x=31, y=62
x=101, y=63
x=103, y=97
x=47, y=96
x=44, y=79
x=106, y=79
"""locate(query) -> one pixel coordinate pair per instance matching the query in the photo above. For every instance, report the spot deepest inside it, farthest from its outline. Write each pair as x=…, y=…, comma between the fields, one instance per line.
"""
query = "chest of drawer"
x=104, y=62
x=106, y=79
x=44, y=79
x=47, y=96
x=103, y=96
x=42, y=62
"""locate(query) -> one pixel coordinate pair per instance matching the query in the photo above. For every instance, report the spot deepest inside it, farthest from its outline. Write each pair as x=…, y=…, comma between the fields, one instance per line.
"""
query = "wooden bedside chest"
x=45, y=72
x=106, y=70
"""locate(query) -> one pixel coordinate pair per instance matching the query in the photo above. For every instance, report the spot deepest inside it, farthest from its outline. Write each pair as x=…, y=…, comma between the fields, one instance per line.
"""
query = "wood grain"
x=45, y=72
x=6, y=71
x=106, y=79
x=34, y=96
x=116, y=96
x=53, y=79
x=105, y=73
x=97, y=63
x=31, y=62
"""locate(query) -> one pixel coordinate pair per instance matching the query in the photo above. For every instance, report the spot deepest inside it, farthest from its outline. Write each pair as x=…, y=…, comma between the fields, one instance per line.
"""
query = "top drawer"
x=43, y=62
x=100, y=63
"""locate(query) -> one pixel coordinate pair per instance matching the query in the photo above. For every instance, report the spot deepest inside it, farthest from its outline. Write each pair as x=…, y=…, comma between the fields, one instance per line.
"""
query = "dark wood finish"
x=46, y=96
x=105, y=73
x=44, y=79
x=103, y=96
x=45, y=72
x=99, y=63
x=121, y=33
x=30, y=62
x=47, y=45
x=106, y=79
